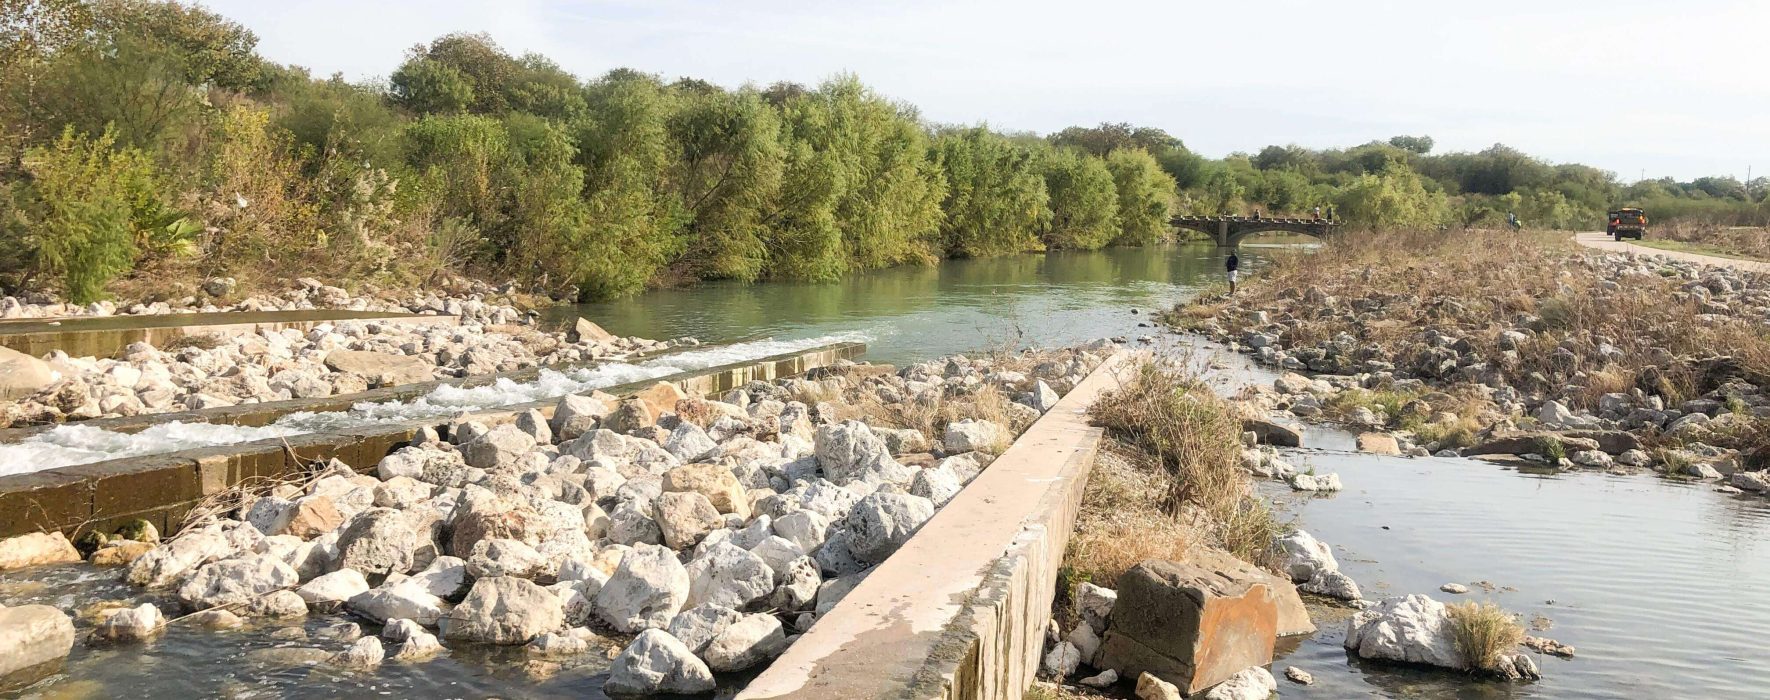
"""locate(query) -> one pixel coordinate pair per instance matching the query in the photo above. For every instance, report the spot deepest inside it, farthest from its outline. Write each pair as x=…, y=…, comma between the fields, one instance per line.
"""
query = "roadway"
x=1597, y=239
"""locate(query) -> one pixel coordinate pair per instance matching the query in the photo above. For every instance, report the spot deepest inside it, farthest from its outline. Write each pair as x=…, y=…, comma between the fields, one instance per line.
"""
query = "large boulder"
x=1300, y=555
x=716, y=482
x=235, y=582
x=749, y=641
x=576, y=415
x=22, y=376
x=698, y=625
x=505, y=610
x=850, y=451
x=331, y=591
x=727, y=575
x=378, y=542
x=380, y=368
x=404, y=600
x=689, y=443
x=646, y=590
x=1412, y=629
x=499, y=449
x=1194, y=625
x=882, y=521
x=36, y=549
x=33, y=636
x=657, y=663
x=686, y=517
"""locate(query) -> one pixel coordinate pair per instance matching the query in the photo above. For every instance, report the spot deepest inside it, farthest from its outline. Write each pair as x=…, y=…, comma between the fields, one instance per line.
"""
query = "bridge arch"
x=1228, y=231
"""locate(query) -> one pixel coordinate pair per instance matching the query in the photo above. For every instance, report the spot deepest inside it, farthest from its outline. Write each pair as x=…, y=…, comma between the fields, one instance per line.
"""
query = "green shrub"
x=77, y=214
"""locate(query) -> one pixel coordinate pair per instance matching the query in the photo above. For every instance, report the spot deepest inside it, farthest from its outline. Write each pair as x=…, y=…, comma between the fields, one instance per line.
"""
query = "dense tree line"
x=147, y=141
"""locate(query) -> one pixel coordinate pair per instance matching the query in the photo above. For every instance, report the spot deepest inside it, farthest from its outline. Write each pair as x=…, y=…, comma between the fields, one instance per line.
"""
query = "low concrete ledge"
x=163, y=488
x=960, y=610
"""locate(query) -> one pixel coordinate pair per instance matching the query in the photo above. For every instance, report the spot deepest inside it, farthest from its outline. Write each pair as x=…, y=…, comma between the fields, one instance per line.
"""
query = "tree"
x=635, y=223
x=995, y=201
x=208, y=48
x=1420, y=145
x=1083, y=201
x=1109, y=137
x=1146, y=196
x=431, y=87
x=728, y=167
x=1394, y=198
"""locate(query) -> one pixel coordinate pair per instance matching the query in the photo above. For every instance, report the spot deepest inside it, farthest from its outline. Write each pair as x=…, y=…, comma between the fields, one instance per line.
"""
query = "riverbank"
x=707, y=532
x=1521, y=346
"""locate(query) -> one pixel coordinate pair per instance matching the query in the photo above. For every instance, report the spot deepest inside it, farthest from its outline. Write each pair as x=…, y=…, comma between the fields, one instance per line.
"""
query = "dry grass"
x=1483, y=631
x=1731, y=241
x=931, y=416
x=1192, y=440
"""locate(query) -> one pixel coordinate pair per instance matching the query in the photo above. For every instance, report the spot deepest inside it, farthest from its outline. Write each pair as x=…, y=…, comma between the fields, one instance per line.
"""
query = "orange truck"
x=1627, y=222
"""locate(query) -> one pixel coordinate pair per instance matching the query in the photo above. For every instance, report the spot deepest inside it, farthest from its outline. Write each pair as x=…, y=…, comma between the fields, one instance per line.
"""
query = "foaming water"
x=1659, y=584
x=69, y=445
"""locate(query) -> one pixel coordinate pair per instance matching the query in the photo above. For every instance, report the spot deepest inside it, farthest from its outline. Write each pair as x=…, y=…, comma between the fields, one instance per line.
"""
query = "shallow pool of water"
x=1662, y=586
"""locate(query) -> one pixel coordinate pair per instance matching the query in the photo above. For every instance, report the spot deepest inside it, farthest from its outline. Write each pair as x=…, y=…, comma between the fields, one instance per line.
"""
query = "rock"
x=1271, y=433
x=1332, y=584
x=278, y=604
x=1152, y=688
x=1756, y=482
x=974, y=435
x=501, y=557
x=36, y=549
x=331, y=591
x=1378, y=443
x=1301, y=555
x=377, y=542
x=745, y=643
x=401, y=600
x=215, y=619
x=883, y=521
x=310, y=517
x=400, y=630
x=698, y=625
x=555, y=644
x=646, y=590
x=1701, y=471
x=1104, y=679
x=1315, y=482
x=1254, y=683
x=1062, y=660
x=505, y=610
x=804, y=528
x=418, y=647
x=1412, y=629
x=499, y=449
x=131, y=624
x=689, y=443
x=380, y=368
x=235, y=582
x=1544, y=645
x=576, y=415
x=657, y=663
x=936, y=484
x=365, y=655
x=1455, y=588
x=1596, y=459
x=1298, y=676
x=728, y=576
x=796, y=585
x=119, y=554
x=661, y=398
x=1529, y=443
x=1084, y=639
x=1190, y=624
x=23, y=376
x=586, y=331
x=33, y=636
x=849, y=452
x=1095, y=604
x=686, y=517
x=717, y=483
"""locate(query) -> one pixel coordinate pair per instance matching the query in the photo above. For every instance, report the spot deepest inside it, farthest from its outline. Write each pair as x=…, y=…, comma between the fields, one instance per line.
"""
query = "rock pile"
x=472, y=300
x=274, y=365
x=712, y=530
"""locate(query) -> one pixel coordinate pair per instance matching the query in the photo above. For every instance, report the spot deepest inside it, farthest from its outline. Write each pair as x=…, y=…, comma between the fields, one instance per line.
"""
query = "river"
x=1659, y=584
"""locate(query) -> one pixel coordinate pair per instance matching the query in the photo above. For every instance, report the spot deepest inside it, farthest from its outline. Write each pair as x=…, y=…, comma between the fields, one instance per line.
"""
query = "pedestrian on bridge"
x=1233, y=267
x=1316, y=212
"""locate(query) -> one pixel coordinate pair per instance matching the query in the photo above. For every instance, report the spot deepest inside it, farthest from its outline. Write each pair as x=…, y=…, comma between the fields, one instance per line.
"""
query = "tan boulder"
x=661, y=398
x=587, y=330
x=33, y=637
x=22, y=375
x=381, y=369
x=1378, y=443
x=715, y=482
x=1194, y=624
x=313, y=516
x=120, y=554
x=36, y=549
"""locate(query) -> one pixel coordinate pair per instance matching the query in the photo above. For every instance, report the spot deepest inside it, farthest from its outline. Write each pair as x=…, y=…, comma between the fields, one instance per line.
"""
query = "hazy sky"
x=1627, y=85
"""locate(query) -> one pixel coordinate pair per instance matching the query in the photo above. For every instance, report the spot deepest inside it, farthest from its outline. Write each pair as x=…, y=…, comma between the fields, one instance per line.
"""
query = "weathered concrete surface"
x=162, y=488
x=960, y=610
x=1193, y=624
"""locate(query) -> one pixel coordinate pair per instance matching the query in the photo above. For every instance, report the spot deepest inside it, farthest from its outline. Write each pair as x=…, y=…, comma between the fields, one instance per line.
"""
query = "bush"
x=1146, y=196
x=1483, y=632
x=995, y=201
x=1083, y=200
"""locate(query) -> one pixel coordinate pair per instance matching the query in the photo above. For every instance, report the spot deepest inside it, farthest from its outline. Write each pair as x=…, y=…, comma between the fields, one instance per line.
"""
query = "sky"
x=1636, y=87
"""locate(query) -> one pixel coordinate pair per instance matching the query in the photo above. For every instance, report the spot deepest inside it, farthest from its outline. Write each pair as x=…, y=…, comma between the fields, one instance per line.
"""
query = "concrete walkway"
x=1597, y=239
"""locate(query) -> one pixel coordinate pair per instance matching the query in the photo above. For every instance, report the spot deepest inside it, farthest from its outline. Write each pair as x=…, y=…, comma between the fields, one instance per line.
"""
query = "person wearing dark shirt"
x=1233, y=267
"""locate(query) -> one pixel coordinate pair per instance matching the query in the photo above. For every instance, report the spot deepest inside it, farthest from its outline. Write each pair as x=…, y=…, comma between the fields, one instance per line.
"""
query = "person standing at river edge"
x=1232, y=266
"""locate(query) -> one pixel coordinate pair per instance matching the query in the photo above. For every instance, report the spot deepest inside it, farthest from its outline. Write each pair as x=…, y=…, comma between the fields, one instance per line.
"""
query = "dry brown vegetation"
x=1736, y=241
x=1483, y=632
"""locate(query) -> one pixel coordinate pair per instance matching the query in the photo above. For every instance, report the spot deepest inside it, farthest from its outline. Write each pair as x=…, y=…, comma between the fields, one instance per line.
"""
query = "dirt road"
x=1597, y=239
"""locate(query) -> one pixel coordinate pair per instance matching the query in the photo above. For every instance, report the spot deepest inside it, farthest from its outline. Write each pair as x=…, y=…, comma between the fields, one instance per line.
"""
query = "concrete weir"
x=163, y=488
x=960, y=610
x=103, y=336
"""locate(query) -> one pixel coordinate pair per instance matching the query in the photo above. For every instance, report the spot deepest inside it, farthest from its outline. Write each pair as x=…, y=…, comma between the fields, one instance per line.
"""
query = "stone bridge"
x=1228, y=231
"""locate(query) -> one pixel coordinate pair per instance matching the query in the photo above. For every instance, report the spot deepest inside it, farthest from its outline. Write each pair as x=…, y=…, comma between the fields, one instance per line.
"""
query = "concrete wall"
x=163, y=488
x=959, y=611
